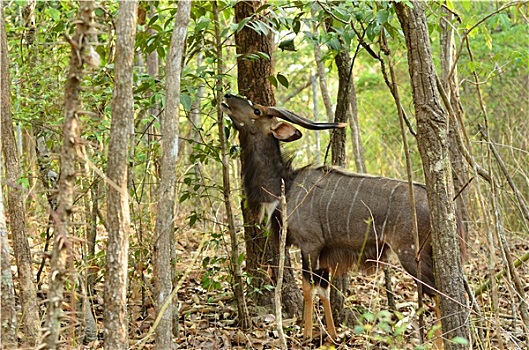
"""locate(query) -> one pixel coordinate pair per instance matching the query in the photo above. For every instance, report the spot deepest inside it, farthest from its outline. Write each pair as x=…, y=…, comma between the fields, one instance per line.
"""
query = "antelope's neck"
x=263, y=168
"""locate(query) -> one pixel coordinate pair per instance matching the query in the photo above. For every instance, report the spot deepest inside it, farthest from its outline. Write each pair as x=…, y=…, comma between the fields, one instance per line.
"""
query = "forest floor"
x=208, y=317
x=208, y=313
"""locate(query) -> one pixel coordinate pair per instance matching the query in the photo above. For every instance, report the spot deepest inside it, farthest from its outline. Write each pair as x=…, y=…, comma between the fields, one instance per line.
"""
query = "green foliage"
x=211, y=279
x=460, y=341
x=279, y=79
x=382, y=328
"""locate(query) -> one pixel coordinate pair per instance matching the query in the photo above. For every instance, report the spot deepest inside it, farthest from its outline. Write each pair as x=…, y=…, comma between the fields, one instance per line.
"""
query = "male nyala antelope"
x=336, y=218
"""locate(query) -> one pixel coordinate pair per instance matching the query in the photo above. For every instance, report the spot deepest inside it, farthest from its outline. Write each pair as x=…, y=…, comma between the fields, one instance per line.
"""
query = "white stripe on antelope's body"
x=336, y=218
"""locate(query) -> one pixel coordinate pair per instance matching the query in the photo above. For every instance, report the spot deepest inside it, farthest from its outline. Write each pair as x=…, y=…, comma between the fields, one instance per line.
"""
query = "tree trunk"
x=261, y=253
x=322, y=78
x=343, y=103
x=347, y=109
x=165, y=218
x=115, y=314
x=345, y=72
x=340, y=284
x=81, y=52
x=315, y=114
x=91, y=237
x=8, y=312
x=15, y=205
x=356, y=138
x=153, y=63
x=451, y=87
x=432, y=137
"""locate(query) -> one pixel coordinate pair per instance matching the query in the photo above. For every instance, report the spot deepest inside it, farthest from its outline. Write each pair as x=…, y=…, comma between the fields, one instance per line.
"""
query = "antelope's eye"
x=257, y=112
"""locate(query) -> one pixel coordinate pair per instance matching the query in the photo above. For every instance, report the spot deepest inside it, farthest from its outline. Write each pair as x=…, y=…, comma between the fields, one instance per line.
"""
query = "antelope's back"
x=330, y=208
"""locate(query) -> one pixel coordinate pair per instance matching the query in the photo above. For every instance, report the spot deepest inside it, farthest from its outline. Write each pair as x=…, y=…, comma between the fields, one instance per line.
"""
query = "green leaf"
x=504, y=21
x=460, y=340
x=399, y=330
x=382, y=16
x=193, y=219
x=273, y=80
x=184, y=197
x=373, y=30
x=161, y=51
x=23, y=182
x=296, y=26
x=287, y=45
x=260, y=27
x=282, y=80
x=488, y=39
x=202, y=23
x=153, y=19
x=385, y=327
x=384, y=315
x=263, y=55
x=368, y=316
x=334, y=44
x=242, y=24
x=472, y=66
x=185, y=100
x=158, y=28
x=53, y=13
x=359, y=329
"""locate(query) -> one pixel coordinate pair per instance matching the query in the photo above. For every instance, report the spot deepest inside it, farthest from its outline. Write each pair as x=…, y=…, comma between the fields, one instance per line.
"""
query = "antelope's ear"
x=285, y=132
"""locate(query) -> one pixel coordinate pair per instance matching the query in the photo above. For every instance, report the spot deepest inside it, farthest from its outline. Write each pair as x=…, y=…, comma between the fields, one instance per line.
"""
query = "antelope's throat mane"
x=263, y=169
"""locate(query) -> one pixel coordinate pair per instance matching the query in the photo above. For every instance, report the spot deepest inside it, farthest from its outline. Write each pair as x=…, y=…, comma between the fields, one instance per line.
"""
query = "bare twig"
x=236, y=270
x=282, y=248
x=521, y=201
x=296, y=91
x=499, y=228
x=461, y=136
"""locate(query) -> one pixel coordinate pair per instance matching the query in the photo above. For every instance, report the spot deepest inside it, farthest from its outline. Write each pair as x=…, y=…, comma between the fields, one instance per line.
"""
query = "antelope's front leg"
x=307, y=307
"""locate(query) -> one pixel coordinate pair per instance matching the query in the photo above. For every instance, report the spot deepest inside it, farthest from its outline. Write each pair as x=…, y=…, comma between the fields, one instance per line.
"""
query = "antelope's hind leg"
x=325, y=296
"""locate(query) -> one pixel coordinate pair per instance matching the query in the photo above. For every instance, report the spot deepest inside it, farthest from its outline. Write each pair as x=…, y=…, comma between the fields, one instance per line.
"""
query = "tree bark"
x=340, y=284
x=354, y=124
x=81, y=53
x=315, y=114
x=322, y=77
x=15, y=205
x=343, y=103
x=451, y=87
x=8, y=312
x=153, y=67
x=165, y=218
x=432, y=137
x=347, y=111
x=115, y=315
x=261, y=252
